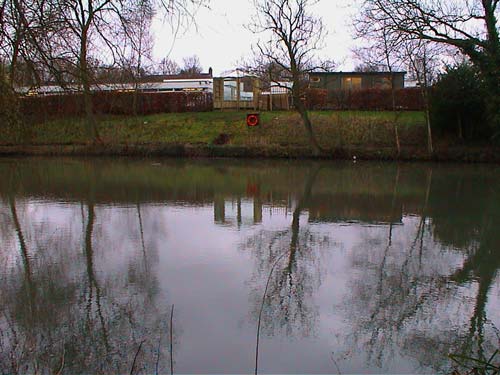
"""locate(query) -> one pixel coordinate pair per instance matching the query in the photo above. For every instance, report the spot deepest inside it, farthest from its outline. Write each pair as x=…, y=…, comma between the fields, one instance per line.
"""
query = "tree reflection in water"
x=62, y=314
x=417, y=274
x=413, y=295
x=287, y=305
x=417, y=250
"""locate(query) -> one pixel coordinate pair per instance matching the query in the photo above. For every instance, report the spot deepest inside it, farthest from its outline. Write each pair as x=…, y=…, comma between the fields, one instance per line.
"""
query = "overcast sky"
x=221, y=39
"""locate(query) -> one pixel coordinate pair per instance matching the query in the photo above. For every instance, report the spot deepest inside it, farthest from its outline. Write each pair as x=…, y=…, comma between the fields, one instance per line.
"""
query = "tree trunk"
x=460, y=128
x=18, y=39
x=489, y=66
x=28, y=272
x=398, y=143
x=270, y=91
x=493, y=101
x=425, y=96
x=393, y=100
x=299, y=104
x=135, y=99
x=90, y=123
x=238, y=93
x=425, y=93
x=393, y=92
x=301, y=109
x=13, y=63
x=430, y=148
x=91, y=275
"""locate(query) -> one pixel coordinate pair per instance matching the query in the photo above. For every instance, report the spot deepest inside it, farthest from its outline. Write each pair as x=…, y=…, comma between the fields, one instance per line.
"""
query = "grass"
x=471, y=365
x=333, y=128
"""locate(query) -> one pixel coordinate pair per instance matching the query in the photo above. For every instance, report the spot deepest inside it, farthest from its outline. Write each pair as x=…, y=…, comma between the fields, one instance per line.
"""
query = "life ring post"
x=253, y=120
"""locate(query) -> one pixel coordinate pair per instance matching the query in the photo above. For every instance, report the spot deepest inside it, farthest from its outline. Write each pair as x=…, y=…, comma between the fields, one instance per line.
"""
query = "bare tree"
x=23, y=23
x=84, y=20
x=137, y=45
x=67, y=40
x=395, y=51
x=63, y=34
x=423, y=61
x=291, y=261
x=167, y=66
x=470, y=26
x=367, y=67
x=191, y=65
x=381, y=54
x=13, y=34
x=292, y=36
x=8, y=104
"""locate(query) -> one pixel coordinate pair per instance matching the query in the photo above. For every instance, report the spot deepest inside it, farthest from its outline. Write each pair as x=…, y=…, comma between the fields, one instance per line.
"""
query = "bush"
x=407, y=99
x=41, y=108
x=10, y=124
x=457, y=103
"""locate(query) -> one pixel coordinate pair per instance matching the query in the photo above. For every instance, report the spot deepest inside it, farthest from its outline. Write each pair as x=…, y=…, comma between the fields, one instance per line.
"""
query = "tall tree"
x=382, y=54
x=470, y=26
x=191, y=65
x=423, y=59
x=14, y=20
x=9, y=106
x=67, y=39
x=84, y=20
x=137, y=44
x=292, y=36
x=391, y=51
x=167, y=66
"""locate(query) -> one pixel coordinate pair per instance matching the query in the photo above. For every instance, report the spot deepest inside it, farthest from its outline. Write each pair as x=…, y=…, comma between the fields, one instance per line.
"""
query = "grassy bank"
x=368, y=135
x=277, y=128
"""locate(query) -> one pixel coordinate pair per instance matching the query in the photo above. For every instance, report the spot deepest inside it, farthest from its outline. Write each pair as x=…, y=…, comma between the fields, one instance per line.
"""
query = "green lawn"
x=333, y=128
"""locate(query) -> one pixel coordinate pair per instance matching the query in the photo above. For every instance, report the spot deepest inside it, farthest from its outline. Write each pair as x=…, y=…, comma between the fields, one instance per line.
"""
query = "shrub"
x=457, y=103
x=115, y=103
x=10, y=125
x=407, y=99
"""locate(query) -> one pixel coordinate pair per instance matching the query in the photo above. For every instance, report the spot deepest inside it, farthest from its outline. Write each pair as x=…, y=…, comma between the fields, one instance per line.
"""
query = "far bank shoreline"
x=466, y=154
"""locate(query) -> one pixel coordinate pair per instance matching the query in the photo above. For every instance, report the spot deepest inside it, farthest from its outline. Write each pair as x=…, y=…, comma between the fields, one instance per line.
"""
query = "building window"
x=351, y=83
x=231, y=91
x=383, y=83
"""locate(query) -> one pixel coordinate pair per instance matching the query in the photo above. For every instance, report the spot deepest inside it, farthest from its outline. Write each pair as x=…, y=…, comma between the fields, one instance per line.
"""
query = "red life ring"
x=253, y=120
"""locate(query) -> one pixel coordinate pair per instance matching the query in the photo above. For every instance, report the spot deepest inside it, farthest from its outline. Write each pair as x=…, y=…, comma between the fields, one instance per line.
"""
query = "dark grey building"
x=336, y=81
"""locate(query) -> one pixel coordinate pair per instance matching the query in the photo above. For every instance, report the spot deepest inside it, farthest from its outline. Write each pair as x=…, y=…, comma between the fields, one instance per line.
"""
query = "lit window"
x=351, y=83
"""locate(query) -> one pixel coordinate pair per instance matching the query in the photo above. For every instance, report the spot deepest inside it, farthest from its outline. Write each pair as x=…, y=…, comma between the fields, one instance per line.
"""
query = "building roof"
x=169, y=77
x=356, y=73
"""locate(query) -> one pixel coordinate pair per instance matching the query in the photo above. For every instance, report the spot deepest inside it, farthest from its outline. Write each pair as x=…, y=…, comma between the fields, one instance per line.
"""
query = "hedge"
x=122, y=103
x=116, y=103
x=408, y=99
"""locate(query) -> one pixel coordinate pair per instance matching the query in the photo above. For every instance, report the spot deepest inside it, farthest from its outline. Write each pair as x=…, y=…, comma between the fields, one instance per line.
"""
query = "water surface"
x=369, y=267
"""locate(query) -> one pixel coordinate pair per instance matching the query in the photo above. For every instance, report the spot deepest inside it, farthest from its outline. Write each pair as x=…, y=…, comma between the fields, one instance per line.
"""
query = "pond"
x=147, y=266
